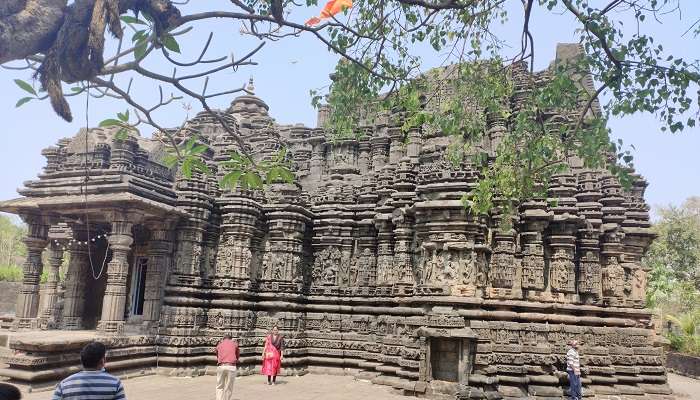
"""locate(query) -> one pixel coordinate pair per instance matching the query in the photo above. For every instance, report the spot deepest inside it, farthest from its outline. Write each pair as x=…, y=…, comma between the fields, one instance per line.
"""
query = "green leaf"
x=272, y=174
x=171, y=44
x=231, y=179
x=287, y=175
x=187, y=168
x=200, y=166
x=110, y=122
x=122, y=134
x=140, y=50
x=131, y=20
x=252, y=180
x=139, y=36
x=199, y=149
x=123, y=116
x=23, y=101
x=170, y=160
x=25, y=86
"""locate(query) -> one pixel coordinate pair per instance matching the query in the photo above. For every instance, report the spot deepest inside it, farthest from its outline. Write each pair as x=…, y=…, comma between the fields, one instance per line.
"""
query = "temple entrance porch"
x=120, y=252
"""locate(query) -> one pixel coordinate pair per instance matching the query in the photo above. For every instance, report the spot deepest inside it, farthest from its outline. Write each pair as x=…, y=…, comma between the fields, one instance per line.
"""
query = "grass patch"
x=10, y=273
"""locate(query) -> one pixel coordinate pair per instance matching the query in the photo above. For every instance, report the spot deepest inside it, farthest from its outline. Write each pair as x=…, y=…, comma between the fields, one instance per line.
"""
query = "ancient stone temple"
x=368, y=263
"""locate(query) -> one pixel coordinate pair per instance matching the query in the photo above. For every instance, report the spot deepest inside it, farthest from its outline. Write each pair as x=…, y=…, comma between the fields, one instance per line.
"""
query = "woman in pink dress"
x=272, y=355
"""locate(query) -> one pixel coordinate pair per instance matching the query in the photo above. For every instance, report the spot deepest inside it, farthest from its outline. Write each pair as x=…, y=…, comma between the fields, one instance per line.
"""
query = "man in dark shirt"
x=227, y=354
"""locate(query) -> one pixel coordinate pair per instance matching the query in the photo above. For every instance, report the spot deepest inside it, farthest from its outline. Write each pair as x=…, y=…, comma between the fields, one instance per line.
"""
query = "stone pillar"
x=287, y=219
x=159, y=250
x=590, y=272
x=316, y=161
x=396, y=147
x=505, y=278
x=535, y=218
x=120, y=241
x=496, y=126
x=414, y=145
x=48, y=315
x=333, y=240
x=561, y=238
x=236, y=261
x=74, y=296
x=28, y=298
x=364, y=160
x=365, y=259
x=379, y=152
x=403, y=220
x=385, y=251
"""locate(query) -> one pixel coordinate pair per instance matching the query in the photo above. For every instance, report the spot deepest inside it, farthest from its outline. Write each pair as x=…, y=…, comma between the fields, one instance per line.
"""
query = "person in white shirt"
x=573, y=369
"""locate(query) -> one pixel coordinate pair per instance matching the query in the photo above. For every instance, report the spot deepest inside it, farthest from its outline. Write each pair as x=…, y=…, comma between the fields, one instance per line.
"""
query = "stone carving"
x=327, y=265
x=590, y=274
x=613, y=279
x=561, y=272
x=638, y=279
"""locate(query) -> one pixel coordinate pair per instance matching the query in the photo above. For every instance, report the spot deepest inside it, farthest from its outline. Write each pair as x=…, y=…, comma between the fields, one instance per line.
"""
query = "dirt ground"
x=308, y=387
x=685, y=388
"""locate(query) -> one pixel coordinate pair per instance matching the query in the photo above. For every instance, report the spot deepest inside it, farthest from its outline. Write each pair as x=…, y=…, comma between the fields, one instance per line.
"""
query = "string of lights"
x=65, y=244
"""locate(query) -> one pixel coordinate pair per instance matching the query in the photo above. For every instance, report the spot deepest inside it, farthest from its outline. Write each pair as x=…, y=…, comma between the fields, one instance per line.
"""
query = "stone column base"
x=46, y=323
x=25, y=323
x=72, y=323
x=111, y=327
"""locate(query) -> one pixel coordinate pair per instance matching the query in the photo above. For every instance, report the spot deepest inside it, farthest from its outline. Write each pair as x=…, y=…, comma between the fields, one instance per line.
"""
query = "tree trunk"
x=28, y=27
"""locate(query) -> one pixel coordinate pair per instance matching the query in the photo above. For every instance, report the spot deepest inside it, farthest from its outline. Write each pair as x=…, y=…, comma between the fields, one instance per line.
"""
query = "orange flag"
x=331, y=8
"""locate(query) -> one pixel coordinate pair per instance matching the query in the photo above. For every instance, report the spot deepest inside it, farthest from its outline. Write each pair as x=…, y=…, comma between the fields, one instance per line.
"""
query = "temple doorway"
x=444, y=359
x=95, y=288
x=138, y=286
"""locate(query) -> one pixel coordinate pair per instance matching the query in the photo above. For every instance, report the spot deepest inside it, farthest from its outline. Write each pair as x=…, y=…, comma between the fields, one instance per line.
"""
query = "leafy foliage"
x=630, y=66
x=12, y=249
x=674, y=257
x=122, y=121
x=674, y=286
x=242, y=171
x=686, y=335
x=381, y=72
x=189, y=158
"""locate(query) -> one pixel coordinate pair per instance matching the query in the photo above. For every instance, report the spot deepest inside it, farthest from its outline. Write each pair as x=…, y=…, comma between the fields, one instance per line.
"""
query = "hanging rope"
x=95, y=275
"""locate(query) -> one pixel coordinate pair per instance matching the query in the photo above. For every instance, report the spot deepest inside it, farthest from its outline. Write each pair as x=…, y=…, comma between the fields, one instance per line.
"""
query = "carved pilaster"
x=28, y=298
x=49, y=314
x=535, y=219
x=236, y=256
x=364, y=159
x=113, y=305
x=590, y=272
x=396, y=146
x=561, y=238
x=414, y=145
x=74, y=296
x=380, y=154
x=385, y=252
x=287, y=223
x=504, y=275
x=316, y=161
x=159, y=260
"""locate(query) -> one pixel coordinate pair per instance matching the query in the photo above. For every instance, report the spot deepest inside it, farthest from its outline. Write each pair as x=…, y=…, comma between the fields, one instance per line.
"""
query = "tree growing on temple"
x=64, y=45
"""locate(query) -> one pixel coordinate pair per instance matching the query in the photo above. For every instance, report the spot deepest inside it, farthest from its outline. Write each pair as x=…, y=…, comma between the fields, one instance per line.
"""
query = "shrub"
x=10, y=273
x=686, y=335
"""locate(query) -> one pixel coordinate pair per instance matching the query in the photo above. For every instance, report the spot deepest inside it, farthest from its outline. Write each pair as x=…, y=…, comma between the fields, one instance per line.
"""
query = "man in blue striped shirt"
x=92, y=383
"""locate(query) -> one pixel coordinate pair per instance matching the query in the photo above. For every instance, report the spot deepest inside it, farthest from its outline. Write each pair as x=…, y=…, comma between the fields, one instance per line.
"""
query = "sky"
x=288, y=69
